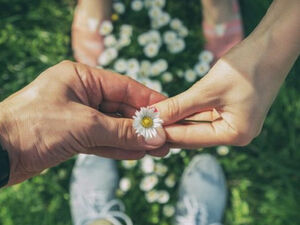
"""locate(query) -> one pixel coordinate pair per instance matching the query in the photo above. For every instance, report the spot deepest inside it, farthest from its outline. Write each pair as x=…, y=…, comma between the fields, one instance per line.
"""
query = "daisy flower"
x=110, y=41
x=167, y=77
x=148, y=182
x=133, y=66
x=147, y=164
x=126, y=30
x=120, y=66
x=170, y=181
x=206, y=56
x=146, y=121
x=183, y=31
x=160, y=169
x=106, y=27
x=176, y=24
x=151, y=196
x=125, y=184
x=128, y=164
x=169, y=37
x=159, y=3
x=168, y=210
x=222, y=150
x=145, y=68
x=119, y=7
x=201, y=68
x=190, y=75
x=163, y=196
x=137, y=5
x=151, y=50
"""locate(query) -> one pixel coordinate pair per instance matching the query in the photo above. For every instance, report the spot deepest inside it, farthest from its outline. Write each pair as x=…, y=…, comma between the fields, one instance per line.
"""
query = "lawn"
x=263, y=178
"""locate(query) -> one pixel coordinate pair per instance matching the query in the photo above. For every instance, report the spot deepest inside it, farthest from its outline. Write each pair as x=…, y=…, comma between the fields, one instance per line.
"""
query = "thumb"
x=119, y=133
x=194, y=100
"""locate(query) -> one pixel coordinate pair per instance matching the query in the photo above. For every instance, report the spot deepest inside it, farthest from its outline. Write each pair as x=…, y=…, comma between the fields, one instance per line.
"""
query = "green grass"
x=263, y=178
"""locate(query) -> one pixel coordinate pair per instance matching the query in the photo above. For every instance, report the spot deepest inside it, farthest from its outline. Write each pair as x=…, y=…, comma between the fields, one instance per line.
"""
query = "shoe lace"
x=196, y=213
x=112, y=211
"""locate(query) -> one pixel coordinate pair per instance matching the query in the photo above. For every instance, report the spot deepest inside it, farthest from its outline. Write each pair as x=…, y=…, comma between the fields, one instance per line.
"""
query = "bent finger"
x=115, y=153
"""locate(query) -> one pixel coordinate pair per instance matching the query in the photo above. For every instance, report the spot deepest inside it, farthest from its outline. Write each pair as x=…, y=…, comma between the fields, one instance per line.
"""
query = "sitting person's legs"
x=222, y=25
x=202, y=193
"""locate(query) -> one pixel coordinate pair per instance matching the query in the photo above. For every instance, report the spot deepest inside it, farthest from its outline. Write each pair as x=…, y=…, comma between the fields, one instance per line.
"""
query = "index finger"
x=113, y=87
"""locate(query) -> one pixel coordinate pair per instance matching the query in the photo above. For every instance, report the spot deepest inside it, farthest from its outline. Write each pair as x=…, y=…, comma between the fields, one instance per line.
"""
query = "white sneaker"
x=93, y=185
x=202, y=193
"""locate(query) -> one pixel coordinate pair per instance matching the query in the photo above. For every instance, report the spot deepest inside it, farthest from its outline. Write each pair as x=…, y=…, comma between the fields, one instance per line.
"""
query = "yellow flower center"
x=114, y=17
x=147, y=122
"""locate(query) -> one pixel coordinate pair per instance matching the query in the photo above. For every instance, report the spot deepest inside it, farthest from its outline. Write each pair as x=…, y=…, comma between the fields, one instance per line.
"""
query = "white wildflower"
x=154, y=37
x=147, y=164
x=169, y=37
x=159, y=3
x=176, y=24
x=183, y=31
x=128, y=164
x=163, y=196
x=120, y=66
x=119, y=7
x=106, y=27
x=151, y=196
x=177, y=46
x=133, y=67
x=106, y=57
x=175, y=150
x=160, y=169
x=163, y=64
x=125, y=184
x=154, y=85
x=170, y=181
x=123, y=41
x=206, y=56
x=143, y=39
x=167, y=77
x=151, y=50
x=168, y=210
x=110, y=41
x=155, y=70
x=148, y=182
x=126, y=29
x=137, y=5
x=145, y=68
x=222, y=150
x=155, y=12
x=146, y=121
x=201, y=68
x=163, y=19
x=180, y=73
x=190, y=75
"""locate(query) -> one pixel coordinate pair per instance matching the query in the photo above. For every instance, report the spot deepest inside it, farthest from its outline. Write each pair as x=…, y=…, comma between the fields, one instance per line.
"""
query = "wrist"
x=5, y=143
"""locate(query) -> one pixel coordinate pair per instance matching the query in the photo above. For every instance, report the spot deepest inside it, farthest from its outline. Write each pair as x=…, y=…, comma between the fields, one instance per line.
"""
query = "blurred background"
x=263, y=178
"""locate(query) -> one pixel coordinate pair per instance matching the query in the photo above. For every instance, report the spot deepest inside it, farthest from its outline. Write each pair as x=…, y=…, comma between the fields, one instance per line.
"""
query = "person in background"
x=236, y=106
x=203, y=183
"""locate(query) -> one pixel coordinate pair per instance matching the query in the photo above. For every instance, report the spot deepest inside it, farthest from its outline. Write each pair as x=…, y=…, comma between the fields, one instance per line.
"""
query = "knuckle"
x=173, y=107
x=93, y=117
x=241, y=137
x=67, y=63
x=124, y=132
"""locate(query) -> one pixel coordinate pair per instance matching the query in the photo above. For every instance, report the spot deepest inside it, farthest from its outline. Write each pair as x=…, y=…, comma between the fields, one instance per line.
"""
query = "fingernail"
x=158, y=140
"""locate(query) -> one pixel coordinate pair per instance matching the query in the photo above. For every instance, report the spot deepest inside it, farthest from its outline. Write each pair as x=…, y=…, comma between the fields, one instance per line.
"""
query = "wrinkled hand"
x=56, y=116
x=234, y=103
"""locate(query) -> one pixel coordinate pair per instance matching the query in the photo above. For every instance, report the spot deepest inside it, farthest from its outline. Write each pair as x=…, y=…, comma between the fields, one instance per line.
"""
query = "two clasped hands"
x=72, y=108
